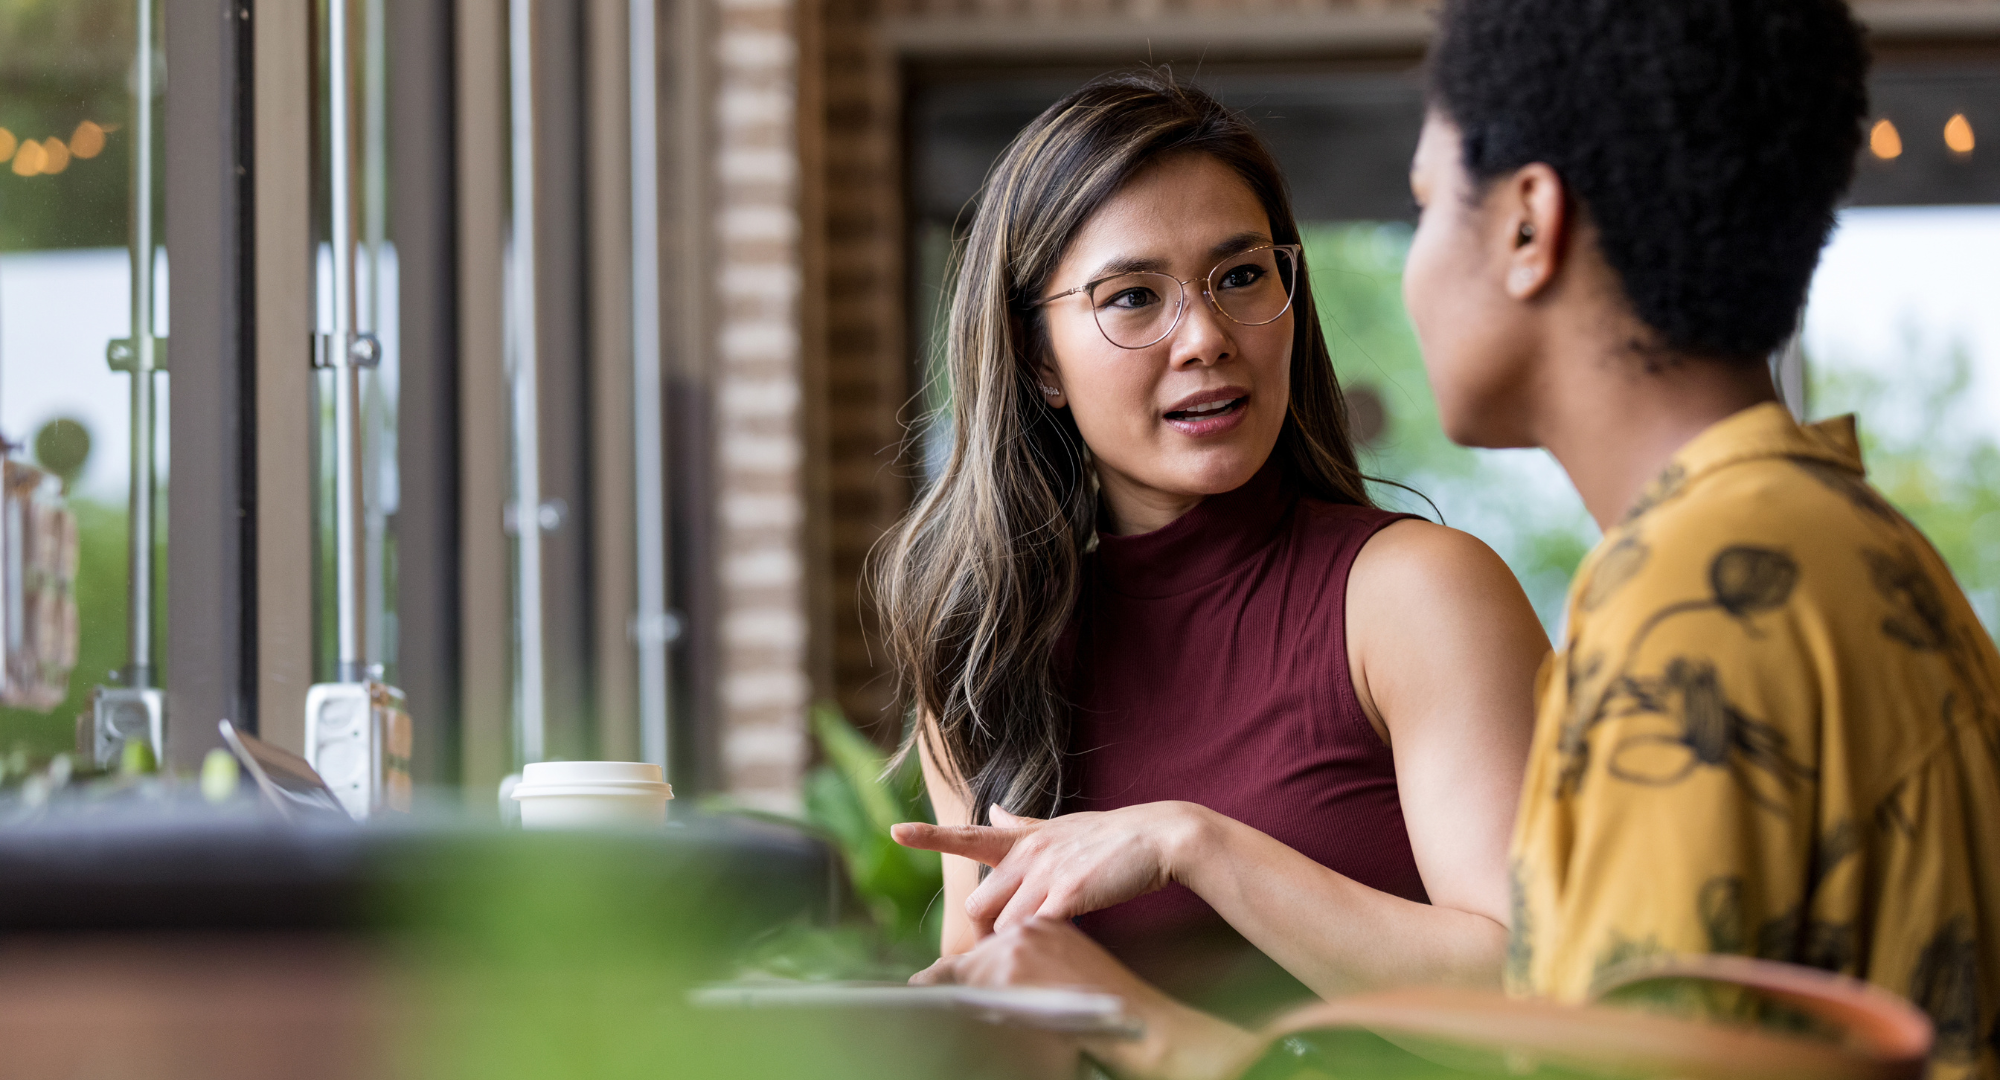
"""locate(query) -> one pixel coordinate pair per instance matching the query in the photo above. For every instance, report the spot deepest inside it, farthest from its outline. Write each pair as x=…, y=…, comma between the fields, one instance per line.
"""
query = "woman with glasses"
x=1178, y=680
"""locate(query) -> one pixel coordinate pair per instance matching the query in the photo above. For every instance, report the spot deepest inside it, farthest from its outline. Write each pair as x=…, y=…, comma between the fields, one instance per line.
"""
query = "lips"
x=1199, y=412
x=1210, y=412
x=1193, y=403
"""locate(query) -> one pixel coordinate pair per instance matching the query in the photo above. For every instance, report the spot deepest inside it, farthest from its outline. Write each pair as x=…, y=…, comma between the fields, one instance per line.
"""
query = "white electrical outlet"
x=120, y=714
x=358, y=740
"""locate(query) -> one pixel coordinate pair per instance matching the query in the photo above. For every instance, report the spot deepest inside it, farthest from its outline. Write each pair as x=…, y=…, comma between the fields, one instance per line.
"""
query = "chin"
x=1483, y=427
x=1462, y=427
x=1222, y=469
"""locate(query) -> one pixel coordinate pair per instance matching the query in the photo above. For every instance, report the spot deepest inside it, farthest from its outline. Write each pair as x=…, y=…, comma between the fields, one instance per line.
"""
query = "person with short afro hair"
x=1709, y=141
x=1772, y=727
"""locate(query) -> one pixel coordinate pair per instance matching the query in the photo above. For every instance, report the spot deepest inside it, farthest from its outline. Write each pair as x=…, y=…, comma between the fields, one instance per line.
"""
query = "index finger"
x=980, y=843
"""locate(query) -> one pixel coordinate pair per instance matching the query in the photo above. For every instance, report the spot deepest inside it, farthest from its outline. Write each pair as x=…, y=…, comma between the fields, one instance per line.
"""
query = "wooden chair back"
x=1883, y=1037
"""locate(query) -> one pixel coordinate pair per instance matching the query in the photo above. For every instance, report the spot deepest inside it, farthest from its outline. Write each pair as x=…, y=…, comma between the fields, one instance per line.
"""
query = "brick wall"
x=862, y=341
x=763, y=684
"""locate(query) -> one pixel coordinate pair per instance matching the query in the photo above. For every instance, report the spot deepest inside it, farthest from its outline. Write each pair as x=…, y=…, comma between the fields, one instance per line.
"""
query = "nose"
x=1203, y=338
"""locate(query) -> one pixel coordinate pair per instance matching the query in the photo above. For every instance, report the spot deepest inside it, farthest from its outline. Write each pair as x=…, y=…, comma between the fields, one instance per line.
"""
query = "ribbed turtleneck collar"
x=1202, y=545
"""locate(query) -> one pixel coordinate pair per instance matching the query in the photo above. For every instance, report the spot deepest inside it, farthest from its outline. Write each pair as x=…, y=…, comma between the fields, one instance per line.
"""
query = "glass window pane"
x=1902, y=328
x=70, y=121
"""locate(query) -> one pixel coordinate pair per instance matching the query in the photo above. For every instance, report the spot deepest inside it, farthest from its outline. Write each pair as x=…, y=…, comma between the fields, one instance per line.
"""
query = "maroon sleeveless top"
x=1208, y=663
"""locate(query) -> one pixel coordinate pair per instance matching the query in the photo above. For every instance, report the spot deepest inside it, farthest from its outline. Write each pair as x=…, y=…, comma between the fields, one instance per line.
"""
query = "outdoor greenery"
x=1928, y=447
x=1929, y=450
x=852, y=799
x=100, y=601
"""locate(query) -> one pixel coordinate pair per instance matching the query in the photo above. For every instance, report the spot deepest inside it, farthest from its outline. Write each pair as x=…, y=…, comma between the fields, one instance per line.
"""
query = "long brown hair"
x=977, y=582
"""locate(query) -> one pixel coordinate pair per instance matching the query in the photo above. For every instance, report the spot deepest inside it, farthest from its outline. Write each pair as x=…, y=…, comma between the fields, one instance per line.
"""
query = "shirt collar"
x=1760, y=431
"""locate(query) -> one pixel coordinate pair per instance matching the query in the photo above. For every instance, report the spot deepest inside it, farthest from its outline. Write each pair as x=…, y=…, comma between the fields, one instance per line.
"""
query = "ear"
x=1048, y=379
x=1531, y=219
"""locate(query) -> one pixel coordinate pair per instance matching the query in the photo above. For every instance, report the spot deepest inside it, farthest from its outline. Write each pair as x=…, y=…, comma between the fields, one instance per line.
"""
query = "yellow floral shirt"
x=1773, y=730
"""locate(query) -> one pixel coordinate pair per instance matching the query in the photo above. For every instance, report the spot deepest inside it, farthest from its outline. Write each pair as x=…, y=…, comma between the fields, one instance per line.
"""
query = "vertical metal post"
x=652, y=631
x=348, y=349
x=373, y=235
x=529, y=701
x=139, y=613
x=137, y=710
x=358, y=734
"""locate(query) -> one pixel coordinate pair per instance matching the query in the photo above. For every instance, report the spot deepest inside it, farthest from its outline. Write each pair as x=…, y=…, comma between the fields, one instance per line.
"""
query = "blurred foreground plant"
x=855, y=798
x=852, y=799
x=571, y=955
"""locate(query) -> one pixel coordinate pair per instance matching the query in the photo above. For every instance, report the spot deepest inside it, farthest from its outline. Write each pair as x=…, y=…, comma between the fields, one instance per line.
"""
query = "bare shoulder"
x=1432, y=567
x=1425, y=600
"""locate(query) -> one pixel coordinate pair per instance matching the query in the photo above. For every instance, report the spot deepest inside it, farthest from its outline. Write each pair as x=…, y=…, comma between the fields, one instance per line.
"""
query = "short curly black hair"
x=1708, y=140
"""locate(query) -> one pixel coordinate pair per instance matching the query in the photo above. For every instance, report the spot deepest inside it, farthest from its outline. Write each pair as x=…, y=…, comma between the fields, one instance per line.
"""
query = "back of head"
x=1708, y=140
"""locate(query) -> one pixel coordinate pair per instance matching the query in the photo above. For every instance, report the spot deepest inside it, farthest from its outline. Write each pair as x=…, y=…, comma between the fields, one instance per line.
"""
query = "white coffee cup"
x=592, y=795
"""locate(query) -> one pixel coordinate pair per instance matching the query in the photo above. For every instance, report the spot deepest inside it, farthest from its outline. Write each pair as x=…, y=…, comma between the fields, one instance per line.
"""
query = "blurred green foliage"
x=100, y=601
x=1929, y=450
x=855, y=798
x=572, y=955
x=1928, y=447
x=852, y=798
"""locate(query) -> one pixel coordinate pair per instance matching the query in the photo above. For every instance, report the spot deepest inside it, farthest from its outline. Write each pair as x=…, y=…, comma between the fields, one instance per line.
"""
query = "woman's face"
x=1198, y=412
x=1474, y=343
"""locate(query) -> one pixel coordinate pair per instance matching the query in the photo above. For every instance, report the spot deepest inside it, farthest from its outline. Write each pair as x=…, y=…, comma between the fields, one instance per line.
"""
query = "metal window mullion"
x=349, y=539
x=652, y=632
x=372, y=234
x=139, y=556
x=521, y=349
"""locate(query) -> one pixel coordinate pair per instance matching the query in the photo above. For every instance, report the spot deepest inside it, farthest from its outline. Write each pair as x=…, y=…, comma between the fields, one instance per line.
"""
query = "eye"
x=1240, y=277
x=1134, y=297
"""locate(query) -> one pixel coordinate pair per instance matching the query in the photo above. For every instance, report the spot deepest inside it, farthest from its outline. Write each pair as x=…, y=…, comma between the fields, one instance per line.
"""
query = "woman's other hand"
x=1064, y=867
x=1179, y=1043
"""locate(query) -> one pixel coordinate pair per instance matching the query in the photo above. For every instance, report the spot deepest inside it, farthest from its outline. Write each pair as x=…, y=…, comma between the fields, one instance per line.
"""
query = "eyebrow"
x=1156, y=265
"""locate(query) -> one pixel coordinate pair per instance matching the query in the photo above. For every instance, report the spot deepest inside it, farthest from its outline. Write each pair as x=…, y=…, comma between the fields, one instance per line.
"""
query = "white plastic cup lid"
x=592, y=777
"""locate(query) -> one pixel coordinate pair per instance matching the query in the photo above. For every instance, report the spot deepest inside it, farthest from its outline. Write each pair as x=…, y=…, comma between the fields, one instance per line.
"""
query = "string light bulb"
x=1958, y=134
x=55, y=156
x=28, y=160
x=8, y=144
x=1884, y=142
x=88, y=141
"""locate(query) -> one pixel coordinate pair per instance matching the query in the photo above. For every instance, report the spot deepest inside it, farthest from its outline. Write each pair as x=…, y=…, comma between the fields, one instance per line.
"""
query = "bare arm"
x=1444, y=648
x=949, y=800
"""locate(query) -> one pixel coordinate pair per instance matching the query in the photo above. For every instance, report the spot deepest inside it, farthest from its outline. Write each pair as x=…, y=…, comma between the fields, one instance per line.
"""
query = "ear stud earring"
x=1521, y=278
x=1526, y=235
x=1050, y=390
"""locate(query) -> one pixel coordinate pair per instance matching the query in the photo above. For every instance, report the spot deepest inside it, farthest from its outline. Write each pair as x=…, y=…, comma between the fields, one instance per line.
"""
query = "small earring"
x=1526, y=236
x=1050, y=390
x=1521, y=278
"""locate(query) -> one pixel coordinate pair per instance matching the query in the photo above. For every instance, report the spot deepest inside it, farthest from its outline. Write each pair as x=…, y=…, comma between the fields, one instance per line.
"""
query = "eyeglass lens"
x=1137, y=310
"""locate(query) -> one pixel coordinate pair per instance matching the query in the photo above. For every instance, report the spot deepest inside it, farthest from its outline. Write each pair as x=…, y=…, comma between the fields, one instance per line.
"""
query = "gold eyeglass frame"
x=1297, y=252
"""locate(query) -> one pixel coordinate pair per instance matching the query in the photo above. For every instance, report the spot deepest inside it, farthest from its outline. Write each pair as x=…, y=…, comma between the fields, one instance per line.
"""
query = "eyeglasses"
x=1250, y=288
